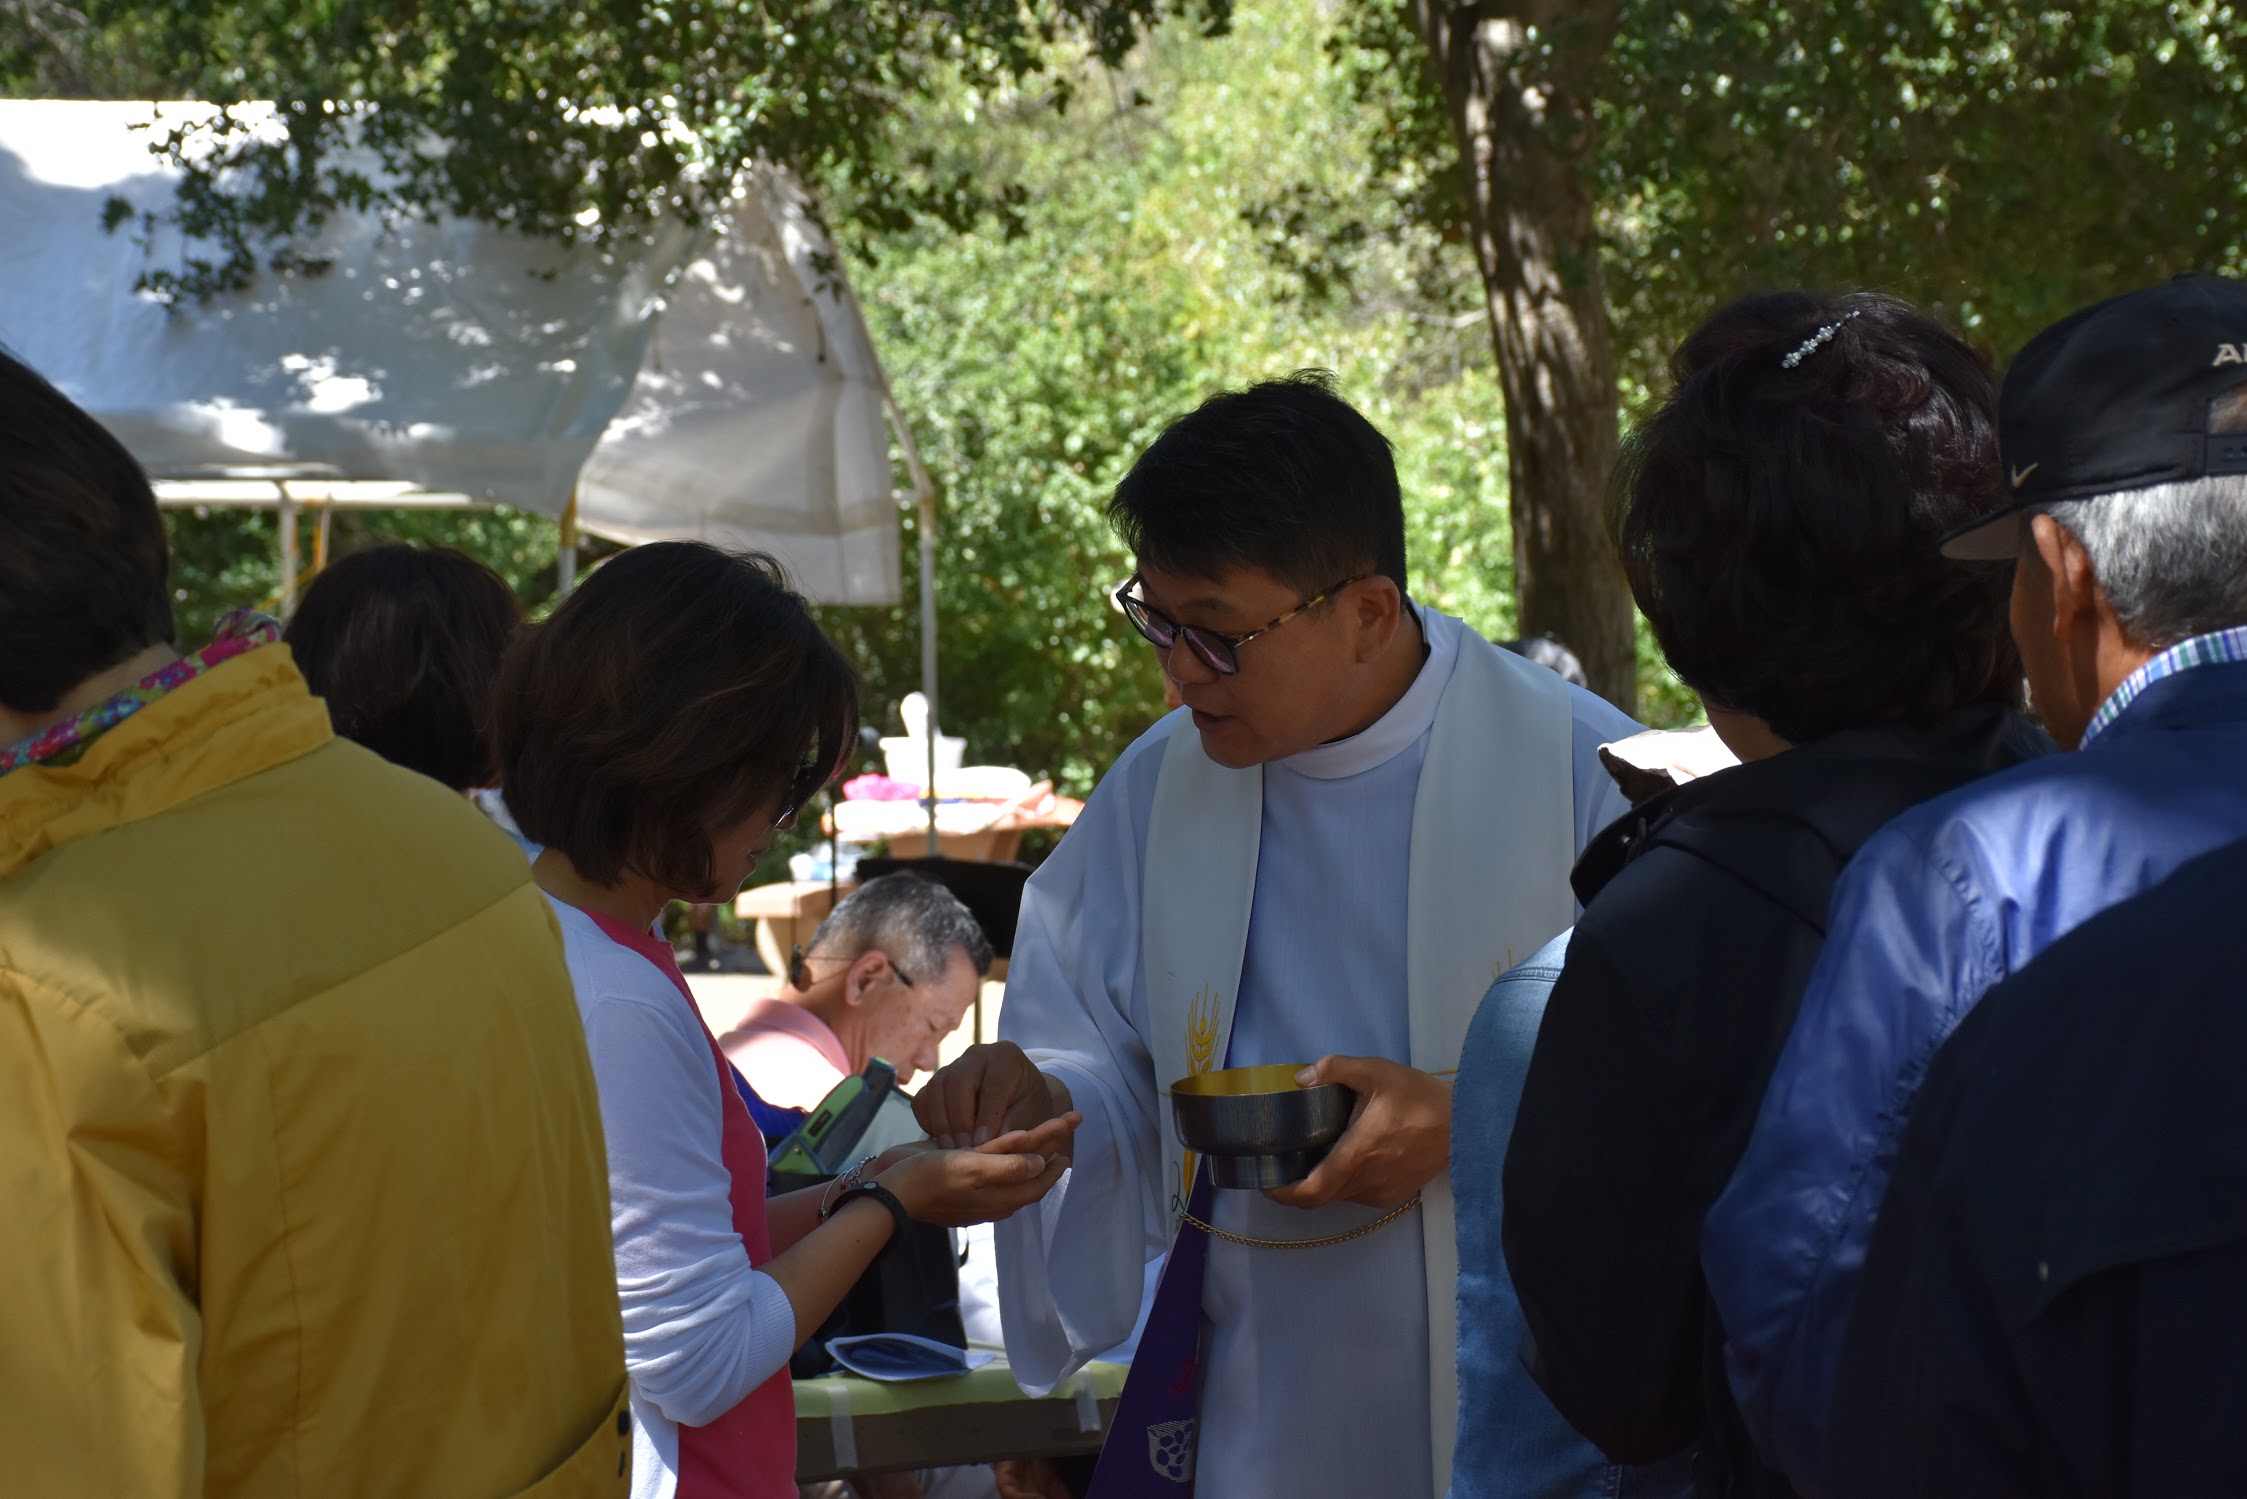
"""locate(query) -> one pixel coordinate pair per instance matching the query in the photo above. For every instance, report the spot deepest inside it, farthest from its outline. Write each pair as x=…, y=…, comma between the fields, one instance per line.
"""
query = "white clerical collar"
x=1398, y=729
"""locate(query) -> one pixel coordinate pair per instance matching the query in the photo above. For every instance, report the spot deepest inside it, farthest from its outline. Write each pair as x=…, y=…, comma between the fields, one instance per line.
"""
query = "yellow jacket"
x=302, y=1186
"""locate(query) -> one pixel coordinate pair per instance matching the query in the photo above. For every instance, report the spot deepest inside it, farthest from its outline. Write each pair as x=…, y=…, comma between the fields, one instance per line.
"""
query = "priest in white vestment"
x=1362, y=814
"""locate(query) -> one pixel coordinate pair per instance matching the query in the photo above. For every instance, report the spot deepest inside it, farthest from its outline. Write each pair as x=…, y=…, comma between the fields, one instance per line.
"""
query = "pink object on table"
x=873, y=788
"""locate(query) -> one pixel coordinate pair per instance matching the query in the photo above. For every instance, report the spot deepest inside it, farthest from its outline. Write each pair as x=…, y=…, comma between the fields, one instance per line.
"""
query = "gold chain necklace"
x=1391, y=1216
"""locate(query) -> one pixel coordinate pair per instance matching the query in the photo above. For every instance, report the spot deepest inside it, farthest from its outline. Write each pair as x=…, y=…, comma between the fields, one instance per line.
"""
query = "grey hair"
x=914, y=923
x=2171, y=558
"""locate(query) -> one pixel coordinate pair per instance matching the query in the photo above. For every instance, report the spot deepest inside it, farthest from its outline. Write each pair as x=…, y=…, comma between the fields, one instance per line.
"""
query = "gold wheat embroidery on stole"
x=1201, y=1056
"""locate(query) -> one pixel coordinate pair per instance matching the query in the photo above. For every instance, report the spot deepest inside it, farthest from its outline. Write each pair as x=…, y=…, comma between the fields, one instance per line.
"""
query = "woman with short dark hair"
x=402, y=642
x=1780, y=522
x=653, y=734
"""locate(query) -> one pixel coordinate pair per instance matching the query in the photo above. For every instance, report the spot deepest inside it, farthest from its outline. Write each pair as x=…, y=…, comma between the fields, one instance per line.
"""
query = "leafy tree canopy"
x=2000, y=162
x=574, y=119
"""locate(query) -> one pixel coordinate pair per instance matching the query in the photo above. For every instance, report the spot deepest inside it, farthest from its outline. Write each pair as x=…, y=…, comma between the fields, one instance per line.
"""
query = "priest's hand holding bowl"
x=989, y=1090
x=1398, y=1139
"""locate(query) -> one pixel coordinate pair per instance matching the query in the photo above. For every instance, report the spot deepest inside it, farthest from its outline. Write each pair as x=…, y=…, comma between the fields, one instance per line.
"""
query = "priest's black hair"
x=1285, y=476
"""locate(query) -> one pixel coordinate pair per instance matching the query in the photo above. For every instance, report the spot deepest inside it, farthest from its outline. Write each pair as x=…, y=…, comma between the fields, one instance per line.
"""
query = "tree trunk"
x=1518, y=77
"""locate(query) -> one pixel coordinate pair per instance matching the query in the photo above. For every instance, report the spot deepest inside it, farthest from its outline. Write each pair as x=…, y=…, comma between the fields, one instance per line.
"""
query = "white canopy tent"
x=757, y=417
x=718, y=385
x=454, y=357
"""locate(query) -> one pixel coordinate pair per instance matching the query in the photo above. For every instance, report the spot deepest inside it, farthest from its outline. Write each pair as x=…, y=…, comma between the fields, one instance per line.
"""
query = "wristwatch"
x=901, y=1219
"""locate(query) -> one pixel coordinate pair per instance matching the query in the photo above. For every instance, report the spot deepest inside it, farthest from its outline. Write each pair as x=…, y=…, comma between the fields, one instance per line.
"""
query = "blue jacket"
x=1511, y=1441
x=2054, y=1303
x=1940, y=905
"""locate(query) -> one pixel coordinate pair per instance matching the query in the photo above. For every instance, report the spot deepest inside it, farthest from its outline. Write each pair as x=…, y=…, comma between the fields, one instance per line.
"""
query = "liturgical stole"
x=1493, y=838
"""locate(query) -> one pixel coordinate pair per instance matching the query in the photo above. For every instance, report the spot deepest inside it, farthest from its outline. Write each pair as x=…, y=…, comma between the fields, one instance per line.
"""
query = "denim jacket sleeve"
x=1909, y=948
x=1512, y=1443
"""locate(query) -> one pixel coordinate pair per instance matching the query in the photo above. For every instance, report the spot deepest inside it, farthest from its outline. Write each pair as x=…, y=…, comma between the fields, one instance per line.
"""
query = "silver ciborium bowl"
x=1255, y=1126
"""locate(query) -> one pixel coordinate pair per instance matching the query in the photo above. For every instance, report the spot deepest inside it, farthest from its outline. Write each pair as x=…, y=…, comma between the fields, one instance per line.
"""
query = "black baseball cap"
x=2146, y=388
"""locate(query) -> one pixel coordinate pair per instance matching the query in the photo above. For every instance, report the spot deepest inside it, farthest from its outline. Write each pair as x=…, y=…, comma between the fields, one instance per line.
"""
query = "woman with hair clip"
x=1781, y=519
x=653, y=735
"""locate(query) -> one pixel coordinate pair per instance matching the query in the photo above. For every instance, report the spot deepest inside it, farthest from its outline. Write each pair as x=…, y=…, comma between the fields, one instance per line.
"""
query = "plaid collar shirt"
x=2218, y=647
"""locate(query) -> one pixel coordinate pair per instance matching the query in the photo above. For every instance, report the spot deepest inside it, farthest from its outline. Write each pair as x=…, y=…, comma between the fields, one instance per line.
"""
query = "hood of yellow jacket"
x=242, y=717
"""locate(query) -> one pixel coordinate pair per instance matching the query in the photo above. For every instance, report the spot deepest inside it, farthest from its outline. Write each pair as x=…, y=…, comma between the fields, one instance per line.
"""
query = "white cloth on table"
x=979, y=1295
x=1307, y=1392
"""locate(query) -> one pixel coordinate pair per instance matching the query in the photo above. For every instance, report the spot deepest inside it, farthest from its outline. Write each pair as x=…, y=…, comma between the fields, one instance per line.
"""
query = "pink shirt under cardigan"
x=693, y=1322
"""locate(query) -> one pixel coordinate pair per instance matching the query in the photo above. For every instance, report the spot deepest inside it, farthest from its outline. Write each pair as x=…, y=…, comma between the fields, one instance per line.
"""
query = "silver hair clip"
x=1815, y=342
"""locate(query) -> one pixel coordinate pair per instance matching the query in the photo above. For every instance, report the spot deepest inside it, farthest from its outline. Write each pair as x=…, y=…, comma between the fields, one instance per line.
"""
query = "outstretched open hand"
x=983, y=1185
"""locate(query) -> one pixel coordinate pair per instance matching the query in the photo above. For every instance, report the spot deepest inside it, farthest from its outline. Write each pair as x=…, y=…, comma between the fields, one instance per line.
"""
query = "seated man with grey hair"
x=2123, y=431
x=890, y=973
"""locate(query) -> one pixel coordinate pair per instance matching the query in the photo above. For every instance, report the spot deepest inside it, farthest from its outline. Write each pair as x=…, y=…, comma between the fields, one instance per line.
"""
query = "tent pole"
x=287, y=513
x=565, y=555
x=924, y=504
x=927, y=504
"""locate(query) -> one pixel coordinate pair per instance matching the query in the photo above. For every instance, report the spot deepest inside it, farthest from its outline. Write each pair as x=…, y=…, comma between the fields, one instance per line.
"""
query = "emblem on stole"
x=1201, y=1056
x=1170, y=1450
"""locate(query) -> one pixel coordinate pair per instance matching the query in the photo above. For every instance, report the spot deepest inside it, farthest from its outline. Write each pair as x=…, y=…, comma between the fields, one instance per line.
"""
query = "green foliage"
x=1035, y=358
x=519, y=546
x=2002, y=163
x=231, y=559
x=222, y=560
x=1997, y=161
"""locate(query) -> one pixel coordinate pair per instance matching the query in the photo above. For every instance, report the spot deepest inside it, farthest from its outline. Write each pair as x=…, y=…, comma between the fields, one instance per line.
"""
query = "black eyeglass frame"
x=799, y=968
x=1213, y=648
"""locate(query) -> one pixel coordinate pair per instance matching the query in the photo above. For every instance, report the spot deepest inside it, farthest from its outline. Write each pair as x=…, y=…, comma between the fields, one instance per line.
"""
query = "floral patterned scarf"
x=65, y=742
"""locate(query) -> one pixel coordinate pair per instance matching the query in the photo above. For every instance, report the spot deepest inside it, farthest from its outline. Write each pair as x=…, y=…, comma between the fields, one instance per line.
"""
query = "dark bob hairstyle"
x=1285, y=476
x=84, y=567
x=1780, y=523
x=403, y=642
x=676, y=692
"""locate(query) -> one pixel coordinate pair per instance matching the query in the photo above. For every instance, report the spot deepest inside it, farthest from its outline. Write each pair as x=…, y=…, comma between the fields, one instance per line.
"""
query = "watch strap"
x=888, y=1199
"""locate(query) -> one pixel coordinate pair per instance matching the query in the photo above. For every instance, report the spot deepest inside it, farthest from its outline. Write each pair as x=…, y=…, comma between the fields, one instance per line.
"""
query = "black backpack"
x=914, y=1285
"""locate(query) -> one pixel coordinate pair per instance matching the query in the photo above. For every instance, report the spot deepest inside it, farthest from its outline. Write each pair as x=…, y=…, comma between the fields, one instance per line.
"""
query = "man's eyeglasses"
x=1217, y=651
x=799, y=969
